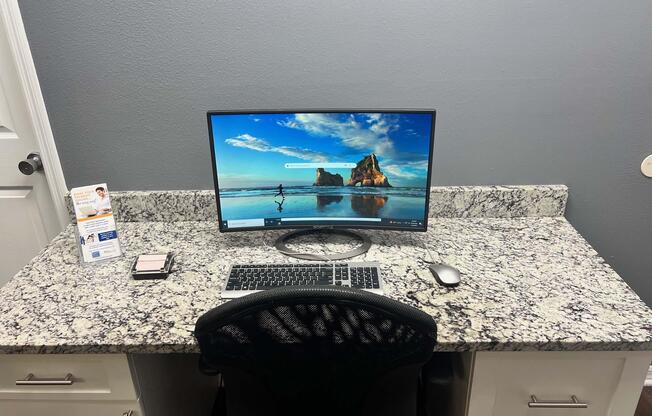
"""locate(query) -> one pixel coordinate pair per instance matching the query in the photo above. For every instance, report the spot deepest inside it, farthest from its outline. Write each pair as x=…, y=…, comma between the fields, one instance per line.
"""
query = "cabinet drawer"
x=71, y=408
x=608, y=382
x=93, y=376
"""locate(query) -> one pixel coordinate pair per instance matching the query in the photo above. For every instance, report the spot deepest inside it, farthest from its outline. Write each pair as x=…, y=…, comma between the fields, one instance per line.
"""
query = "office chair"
x=322, y=350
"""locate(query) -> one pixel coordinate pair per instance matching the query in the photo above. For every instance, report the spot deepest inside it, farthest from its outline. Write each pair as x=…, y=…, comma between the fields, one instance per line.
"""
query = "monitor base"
x=362, y=248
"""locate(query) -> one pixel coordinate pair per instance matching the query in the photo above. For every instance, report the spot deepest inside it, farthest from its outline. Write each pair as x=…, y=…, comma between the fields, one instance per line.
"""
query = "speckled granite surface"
x=498, y=201
x=445, y=201
x=529, y=283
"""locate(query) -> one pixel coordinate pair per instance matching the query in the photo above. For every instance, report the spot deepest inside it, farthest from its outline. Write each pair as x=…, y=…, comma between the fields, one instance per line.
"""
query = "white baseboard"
x=648, y=379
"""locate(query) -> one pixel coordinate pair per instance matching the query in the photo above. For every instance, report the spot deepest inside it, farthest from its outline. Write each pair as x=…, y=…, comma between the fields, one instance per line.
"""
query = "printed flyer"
x=98, y=238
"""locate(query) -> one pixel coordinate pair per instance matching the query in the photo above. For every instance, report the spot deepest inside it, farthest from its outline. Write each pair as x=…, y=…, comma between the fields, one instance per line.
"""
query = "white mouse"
x=445, y=275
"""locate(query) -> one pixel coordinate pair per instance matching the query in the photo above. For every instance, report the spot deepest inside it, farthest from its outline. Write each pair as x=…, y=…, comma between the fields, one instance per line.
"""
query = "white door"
x=29, y=214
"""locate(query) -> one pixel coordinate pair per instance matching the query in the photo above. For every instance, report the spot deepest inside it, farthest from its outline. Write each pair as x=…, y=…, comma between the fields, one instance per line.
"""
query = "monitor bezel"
x=433, y=114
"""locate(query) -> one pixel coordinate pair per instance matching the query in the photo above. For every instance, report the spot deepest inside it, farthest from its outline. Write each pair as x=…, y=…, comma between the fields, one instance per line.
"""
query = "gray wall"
x=527, y=91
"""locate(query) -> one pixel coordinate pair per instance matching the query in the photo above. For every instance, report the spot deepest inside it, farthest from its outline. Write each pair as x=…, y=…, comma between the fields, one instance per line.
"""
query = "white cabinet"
x=609, y=383
x=67, y=384
x=501, y=384
x=69, y=408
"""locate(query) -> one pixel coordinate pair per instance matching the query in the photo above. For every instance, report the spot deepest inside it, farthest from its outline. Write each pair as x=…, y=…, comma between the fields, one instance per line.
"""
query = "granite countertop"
x=529, y=283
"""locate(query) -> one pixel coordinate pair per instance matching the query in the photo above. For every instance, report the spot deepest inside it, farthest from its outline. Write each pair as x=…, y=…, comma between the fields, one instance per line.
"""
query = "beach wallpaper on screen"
x=308, y=165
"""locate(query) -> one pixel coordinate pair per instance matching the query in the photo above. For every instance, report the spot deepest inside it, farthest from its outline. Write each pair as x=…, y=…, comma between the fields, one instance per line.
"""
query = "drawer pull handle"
x=30, y=380
x=573, y=404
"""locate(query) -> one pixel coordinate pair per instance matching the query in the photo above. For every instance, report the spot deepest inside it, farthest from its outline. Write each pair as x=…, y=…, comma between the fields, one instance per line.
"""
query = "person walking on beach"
x=280, y=191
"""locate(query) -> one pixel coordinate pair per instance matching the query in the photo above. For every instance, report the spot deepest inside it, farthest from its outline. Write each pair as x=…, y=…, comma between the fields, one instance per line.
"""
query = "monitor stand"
x=362, y=248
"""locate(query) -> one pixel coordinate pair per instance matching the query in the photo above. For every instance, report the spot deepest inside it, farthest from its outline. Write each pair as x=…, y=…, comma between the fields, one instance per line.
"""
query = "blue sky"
x=252, y=149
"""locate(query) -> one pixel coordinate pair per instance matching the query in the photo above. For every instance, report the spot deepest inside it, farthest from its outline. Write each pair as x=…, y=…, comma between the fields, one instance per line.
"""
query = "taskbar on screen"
x=323, y=222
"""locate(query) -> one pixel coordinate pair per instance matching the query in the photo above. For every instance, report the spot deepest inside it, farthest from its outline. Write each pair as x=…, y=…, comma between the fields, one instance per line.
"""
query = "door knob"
x=31, y=164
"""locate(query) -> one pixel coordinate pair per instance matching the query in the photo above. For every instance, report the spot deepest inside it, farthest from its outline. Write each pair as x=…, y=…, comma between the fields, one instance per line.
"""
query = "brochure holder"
x=96, y=234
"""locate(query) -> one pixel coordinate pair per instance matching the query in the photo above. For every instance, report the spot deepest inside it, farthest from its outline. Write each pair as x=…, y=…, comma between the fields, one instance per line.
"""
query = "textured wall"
x=527, y=91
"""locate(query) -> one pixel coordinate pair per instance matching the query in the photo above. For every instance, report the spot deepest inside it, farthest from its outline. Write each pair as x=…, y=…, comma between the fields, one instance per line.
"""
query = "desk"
x=529, y=284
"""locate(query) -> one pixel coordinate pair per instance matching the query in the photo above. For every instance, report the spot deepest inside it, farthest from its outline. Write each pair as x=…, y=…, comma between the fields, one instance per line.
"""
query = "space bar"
x=313, y=283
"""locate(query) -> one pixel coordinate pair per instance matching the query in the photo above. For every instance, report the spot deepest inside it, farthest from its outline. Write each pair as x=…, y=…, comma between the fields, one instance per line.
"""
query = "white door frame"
x=15, y=31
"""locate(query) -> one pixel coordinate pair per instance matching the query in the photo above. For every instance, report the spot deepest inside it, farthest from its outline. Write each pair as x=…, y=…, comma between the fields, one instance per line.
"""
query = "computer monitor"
x=313, y=169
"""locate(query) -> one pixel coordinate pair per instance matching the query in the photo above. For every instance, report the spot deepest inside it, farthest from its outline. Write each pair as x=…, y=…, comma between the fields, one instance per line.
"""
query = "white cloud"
x=250, y=142
x=418, y=164
x=372, y=136
x=404, y=166
x=398, y=171
x=380, y=128
x=288, y=123
x=373, y=117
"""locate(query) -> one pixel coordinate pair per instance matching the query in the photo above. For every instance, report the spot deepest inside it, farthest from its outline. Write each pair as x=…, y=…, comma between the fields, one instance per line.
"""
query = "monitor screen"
x=342, y=169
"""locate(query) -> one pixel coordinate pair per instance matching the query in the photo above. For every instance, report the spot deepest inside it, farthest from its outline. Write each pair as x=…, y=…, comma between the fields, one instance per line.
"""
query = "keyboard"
x=245, y=279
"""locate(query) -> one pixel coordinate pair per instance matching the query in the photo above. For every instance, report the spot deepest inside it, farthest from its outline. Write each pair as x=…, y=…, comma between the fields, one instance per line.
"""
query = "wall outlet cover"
x=646, y=166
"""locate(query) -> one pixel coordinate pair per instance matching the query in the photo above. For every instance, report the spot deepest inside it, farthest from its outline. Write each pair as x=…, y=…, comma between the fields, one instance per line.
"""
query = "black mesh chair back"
x=316, y=351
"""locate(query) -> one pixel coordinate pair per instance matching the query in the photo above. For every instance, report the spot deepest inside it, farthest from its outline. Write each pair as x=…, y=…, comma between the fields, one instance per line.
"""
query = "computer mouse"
x=445, y=275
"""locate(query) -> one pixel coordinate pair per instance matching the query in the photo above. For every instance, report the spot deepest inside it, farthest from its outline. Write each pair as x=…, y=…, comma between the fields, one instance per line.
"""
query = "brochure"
x=98, y=238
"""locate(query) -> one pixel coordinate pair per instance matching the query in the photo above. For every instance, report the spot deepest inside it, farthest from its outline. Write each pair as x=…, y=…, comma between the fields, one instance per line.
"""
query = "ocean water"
x=321, y=201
